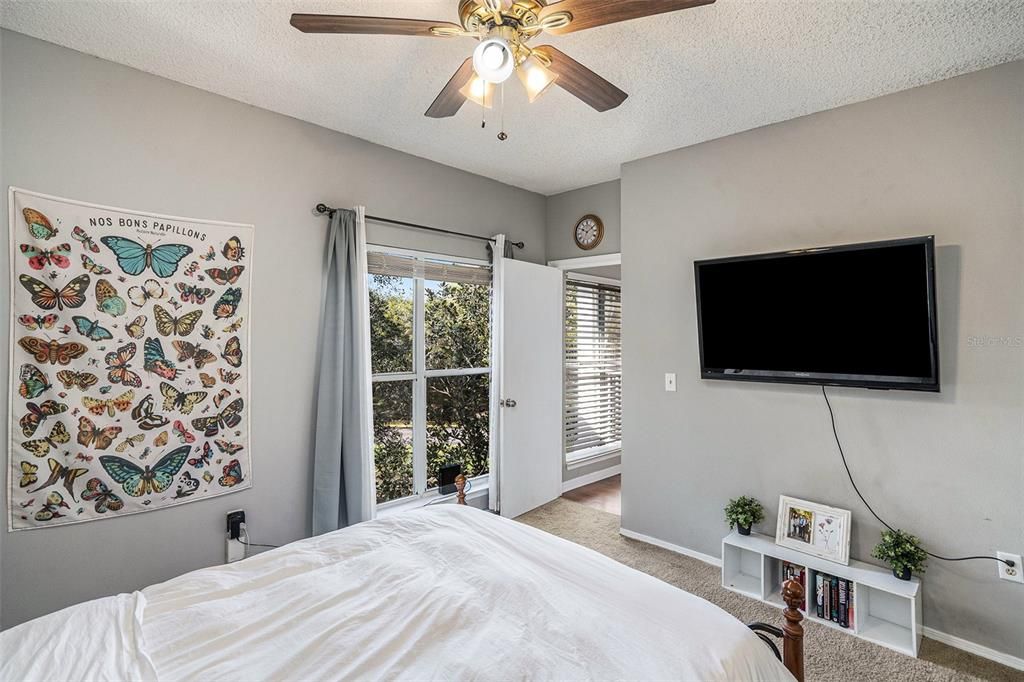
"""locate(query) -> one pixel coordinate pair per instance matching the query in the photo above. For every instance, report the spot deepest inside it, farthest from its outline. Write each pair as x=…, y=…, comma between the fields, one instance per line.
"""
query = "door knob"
x=508, y=402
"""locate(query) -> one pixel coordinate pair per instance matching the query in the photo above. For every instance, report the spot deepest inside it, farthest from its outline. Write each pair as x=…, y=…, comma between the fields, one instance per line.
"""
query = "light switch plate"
x=670, y=381
x=1015, y=574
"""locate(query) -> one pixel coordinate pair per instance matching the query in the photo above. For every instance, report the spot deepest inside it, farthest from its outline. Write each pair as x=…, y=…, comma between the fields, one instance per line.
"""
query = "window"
x=593, y=369
x=430, y=342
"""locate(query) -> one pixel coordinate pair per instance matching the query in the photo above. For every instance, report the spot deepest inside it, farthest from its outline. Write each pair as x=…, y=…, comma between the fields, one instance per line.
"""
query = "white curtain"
x=344, y=486
x=497, y=336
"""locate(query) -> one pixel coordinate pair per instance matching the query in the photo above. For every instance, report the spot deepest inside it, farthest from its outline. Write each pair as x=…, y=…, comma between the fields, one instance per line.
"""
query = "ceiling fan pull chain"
x=502, y=135
x=483, y=108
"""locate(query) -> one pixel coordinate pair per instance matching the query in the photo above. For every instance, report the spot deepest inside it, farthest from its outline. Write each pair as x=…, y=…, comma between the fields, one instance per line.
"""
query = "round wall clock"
x=589, y=232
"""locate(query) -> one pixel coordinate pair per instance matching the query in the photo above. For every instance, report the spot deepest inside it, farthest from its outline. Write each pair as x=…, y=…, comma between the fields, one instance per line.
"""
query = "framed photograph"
x=813, y=528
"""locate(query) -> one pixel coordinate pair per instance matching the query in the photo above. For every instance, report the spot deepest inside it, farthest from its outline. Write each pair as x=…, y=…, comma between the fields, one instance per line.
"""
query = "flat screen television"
x=855, y=315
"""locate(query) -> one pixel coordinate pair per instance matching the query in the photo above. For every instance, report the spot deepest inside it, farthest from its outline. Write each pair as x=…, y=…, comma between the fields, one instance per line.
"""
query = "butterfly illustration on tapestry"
x=100, y=438
x=51, y=351
x=40, y=258
x=156, y=362
x=69, y=296
x=33, y=322
x=41, y=447
x=38, y=224
x=168, y=325
x=32, y=382
x=150, y=290
x=118, y=366
x=138, y=481
x=108, y=300
x=51, y=508
x=96, y=490
x=133, y=258
x=228, y=418
x=98, y=406
x=60, y=473
x=145, y=417
x=179, y=401
x=37, y=414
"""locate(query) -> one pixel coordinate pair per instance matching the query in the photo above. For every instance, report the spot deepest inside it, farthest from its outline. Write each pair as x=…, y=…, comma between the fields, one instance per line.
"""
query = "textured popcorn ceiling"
x=691, y=76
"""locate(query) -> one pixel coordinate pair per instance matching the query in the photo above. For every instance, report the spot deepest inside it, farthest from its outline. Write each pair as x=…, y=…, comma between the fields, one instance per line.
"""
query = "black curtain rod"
x=324, y=209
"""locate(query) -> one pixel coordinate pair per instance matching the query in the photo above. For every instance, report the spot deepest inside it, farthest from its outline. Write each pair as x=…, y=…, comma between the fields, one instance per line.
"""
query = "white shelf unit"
x=887, y=610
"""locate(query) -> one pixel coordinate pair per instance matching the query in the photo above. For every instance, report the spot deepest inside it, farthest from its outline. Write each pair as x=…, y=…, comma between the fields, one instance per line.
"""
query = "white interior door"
x=531, y=387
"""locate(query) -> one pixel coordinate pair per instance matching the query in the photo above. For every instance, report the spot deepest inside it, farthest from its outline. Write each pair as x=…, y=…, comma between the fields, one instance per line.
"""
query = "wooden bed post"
x=460, y=486
x=792, y=630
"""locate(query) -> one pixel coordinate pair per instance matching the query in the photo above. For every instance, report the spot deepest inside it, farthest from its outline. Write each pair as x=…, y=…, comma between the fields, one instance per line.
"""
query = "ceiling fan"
x=504, y=27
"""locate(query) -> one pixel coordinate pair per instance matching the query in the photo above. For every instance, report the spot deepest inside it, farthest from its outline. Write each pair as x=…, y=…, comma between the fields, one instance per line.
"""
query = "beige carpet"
x=829, y=655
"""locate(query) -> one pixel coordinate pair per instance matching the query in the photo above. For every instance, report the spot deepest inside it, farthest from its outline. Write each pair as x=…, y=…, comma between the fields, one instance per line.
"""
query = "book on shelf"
x=794, y=572
x=834, y=599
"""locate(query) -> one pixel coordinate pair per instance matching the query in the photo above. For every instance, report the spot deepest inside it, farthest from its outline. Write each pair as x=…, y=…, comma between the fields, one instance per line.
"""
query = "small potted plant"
x=743, y=512
x=902, y=551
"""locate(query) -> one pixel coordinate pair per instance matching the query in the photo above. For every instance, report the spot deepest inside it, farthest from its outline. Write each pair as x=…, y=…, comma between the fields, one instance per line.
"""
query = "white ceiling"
x=692, y=76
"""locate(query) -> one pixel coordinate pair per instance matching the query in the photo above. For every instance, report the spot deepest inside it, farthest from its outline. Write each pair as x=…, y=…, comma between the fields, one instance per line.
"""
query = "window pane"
x=457, y=319
x=457, y=424
x=392, y=438
x=391, y=306
x=593, y=366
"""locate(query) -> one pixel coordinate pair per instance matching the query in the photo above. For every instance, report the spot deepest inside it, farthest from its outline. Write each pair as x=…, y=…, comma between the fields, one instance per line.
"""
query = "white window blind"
x=593, y=368
x=379, y=263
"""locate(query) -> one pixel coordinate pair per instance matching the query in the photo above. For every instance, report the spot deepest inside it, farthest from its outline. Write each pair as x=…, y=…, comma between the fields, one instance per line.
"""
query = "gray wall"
x=88, y=129
x=945, y=159
x=564, y=211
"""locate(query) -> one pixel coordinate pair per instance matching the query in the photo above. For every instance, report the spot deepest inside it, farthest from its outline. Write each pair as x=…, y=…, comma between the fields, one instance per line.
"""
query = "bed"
x=443, y=592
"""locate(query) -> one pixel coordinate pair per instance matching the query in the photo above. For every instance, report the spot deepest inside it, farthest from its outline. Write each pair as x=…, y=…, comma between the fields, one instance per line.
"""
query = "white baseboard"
x=693, y=554
x=931, y=633
x=973, y=648
x=593, y=477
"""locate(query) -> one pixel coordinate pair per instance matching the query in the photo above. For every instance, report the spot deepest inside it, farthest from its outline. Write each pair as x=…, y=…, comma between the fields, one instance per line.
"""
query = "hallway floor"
x=605, y=495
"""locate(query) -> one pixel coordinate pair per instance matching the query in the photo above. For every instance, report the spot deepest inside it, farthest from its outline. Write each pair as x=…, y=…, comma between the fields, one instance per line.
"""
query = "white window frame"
x=598, y=453
x=421, y=494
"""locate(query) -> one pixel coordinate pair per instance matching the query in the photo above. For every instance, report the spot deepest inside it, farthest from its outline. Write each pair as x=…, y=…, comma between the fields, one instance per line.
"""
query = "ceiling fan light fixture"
x=493, y=60
x=535, y=77
x=479, y=91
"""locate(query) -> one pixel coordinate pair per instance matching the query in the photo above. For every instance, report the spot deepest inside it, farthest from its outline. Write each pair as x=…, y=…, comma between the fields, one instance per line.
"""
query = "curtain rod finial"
x=322, y=209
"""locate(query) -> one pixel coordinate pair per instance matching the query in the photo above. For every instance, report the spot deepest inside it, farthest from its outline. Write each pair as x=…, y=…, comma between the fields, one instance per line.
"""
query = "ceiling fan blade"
x=449, y=100
x=327, y=23
x=590, y=13
x=581, y=82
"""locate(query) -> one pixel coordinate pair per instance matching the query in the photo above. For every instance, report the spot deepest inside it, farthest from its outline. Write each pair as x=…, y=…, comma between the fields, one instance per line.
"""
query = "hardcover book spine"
x=850, y=598
x=819, y=592
x=835, y=600
x=842, y=604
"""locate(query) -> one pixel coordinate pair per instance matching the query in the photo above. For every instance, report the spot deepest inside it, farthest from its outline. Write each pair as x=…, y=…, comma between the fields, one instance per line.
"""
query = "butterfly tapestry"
x=133, y=257
x=130, y=367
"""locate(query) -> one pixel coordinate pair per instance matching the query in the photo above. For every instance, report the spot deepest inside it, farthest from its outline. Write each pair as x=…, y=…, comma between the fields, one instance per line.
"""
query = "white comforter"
x=442, y=592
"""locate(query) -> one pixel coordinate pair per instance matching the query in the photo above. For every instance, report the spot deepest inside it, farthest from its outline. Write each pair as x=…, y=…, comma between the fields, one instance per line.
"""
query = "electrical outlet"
x=670, y=381
x=235, y=548
x=1015, y=574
